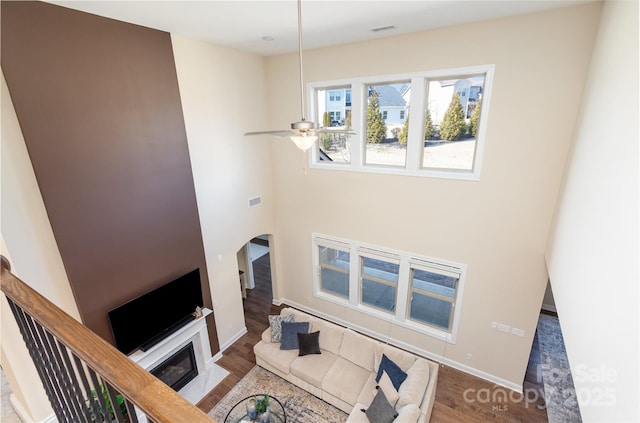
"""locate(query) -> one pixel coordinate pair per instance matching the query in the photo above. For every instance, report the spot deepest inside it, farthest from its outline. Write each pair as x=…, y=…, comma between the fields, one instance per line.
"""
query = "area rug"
x=559, y=391
x=300, y=406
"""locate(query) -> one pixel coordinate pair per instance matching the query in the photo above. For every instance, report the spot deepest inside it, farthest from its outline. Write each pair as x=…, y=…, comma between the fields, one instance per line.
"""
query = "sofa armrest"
x=266, y=335
x=430, y=394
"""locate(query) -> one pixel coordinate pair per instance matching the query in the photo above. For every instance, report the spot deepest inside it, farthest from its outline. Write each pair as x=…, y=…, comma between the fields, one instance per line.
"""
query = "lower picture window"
x=432, y=298
x=419, y=293
x=379, y=283
x=334, y=271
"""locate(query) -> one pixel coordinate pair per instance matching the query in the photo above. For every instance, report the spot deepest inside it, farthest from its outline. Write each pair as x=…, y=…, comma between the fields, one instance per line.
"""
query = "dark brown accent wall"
x=99, y=107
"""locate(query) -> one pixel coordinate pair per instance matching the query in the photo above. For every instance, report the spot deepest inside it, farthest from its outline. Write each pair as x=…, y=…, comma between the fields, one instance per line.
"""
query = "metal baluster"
x=36, y=357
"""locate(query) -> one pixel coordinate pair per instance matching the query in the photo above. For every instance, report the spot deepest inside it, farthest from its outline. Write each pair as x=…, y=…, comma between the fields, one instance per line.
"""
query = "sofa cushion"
x=368, y=391
x=345, y=381
x=330, y=335
x=413, y=388
x=290, y=332
x=275, y=324
x=313, y=368
x=380, y=411
x=274, y=356
x=410, y=413
x=403, y=359
x=358, y=349
x=309, y=343
x=394, y=371
x=387, y=387
x=357, y=415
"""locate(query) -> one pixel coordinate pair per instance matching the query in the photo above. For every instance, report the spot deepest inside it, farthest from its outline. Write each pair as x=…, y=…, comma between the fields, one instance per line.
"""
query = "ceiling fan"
x=304, y=132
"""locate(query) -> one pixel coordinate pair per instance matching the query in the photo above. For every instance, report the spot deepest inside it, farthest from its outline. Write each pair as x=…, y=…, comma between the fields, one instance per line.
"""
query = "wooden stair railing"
x=82, y=374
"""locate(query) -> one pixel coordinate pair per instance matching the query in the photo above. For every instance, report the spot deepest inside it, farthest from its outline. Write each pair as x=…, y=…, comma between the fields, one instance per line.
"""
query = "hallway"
x=549, y=374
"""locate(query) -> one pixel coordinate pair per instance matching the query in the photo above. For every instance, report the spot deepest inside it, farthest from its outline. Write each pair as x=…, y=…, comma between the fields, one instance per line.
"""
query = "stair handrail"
x=154, y=398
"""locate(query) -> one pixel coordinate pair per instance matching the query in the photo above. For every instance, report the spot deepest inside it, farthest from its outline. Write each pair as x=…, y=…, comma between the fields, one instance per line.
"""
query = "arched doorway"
x=254, y=263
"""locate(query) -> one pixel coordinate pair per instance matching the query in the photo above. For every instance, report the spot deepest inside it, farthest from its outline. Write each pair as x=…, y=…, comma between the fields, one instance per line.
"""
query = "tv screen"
x=148, y=319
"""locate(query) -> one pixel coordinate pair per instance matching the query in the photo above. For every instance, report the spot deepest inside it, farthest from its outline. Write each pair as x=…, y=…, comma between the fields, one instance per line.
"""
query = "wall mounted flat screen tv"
x=144, y=321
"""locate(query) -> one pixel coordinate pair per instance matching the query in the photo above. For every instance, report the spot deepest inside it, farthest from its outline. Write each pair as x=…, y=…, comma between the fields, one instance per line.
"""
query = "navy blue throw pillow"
x=290, y=331
x=394, y=371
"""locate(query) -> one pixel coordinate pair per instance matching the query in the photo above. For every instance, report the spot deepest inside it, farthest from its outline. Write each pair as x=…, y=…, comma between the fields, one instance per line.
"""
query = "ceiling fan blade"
x=335, y=131
x=281, y=133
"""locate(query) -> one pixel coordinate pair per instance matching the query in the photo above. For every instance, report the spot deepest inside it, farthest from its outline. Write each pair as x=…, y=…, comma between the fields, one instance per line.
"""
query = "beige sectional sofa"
x=344, y=373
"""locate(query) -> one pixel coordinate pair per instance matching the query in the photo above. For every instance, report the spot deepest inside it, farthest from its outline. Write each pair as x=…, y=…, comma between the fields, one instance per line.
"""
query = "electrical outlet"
x=503, y=327
x=469, y=356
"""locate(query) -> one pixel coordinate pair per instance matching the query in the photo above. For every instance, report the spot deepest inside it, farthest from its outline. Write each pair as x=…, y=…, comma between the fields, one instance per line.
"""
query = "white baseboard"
x=277, y=302
x=424, y=353
x=233, y=339
x=22, y=413
x=483, y=375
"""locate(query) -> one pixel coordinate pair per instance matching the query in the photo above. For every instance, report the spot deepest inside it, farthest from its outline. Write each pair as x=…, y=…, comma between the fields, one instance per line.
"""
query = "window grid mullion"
x=380, y=281
x=433, y=295
x=415, y=141
x=334, y=268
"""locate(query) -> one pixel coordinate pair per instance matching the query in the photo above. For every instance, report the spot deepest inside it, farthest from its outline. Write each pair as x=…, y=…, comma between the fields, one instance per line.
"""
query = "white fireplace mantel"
x=195, y=332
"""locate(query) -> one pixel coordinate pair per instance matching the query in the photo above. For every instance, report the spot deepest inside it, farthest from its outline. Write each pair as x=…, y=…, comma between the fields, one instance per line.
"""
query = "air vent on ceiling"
x=254, y=201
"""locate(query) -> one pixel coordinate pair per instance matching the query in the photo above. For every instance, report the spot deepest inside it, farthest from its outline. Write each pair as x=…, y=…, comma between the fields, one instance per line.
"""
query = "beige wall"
x=29, y=242
x=593, y=252
x=498, y=225
x=223, y=96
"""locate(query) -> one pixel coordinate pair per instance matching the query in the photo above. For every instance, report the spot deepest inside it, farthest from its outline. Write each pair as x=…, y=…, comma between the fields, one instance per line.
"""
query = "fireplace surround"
x=179, y=369
x=193, y=336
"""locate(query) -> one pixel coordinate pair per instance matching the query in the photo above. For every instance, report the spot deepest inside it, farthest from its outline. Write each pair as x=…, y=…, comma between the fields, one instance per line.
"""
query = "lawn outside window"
x=420, y=293
x=444, y=139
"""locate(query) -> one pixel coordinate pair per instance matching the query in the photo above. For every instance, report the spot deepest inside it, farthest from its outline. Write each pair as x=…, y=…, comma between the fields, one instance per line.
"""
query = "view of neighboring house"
x=394, y=99
x=337, y=102
x=393, y=107
x=440, y=93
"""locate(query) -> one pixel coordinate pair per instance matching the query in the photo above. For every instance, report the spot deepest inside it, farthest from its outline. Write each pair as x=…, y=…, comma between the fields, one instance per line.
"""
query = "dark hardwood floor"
x=460, y=397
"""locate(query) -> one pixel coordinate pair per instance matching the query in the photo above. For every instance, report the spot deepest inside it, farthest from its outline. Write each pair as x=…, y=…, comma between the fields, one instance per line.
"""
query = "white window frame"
x=415, y=146
x=438, y=268
x=320, y=242
x=364, y=252
x=400, y=316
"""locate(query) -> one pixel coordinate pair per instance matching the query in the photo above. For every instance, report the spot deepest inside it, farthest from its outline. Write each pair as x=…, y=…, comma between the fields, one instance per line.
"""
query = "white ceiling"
x=241, y=24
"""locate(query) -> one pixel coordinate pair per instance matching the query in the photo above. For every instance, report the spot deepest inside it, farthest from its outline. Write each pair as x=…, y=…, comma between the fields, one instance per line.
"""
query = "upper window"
x=328, y=112
x=382, y=146
x=451, y=123
x=444, y=139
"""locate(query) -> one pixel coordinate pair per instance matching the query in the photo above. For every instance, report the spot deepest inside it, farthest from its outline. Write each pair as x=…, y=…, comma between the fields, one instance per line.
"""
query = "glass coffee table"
x=238, y=413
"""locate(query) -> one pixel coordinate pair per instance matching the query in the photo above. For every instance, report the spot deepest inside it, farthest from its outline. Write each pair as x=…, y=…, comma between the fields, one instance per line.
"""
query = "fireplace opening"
x=179, y=369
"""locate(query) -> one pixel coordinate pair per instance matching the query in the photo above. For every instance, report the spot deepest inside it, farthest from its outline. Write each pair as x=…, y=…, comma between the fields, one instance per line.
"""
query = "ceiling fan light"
x=304, y=141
